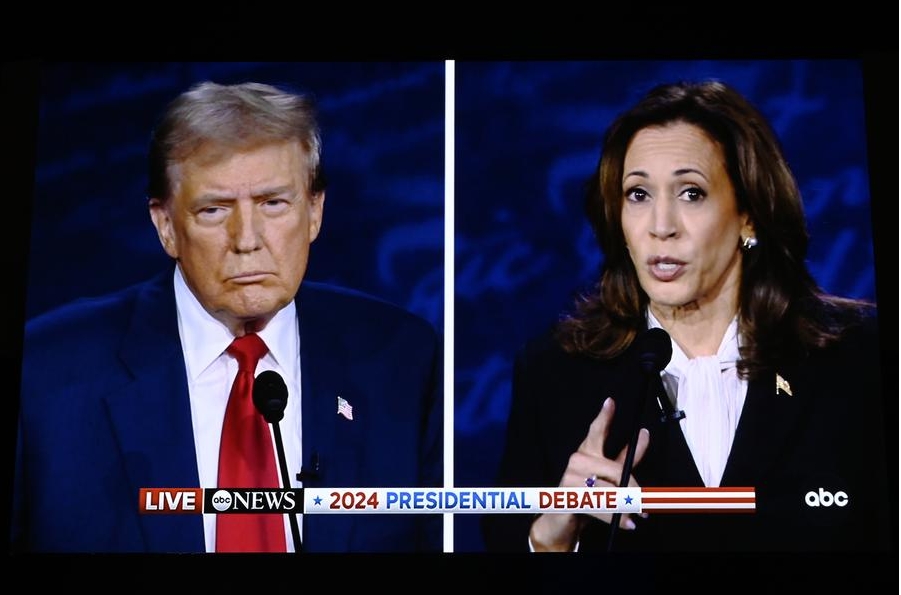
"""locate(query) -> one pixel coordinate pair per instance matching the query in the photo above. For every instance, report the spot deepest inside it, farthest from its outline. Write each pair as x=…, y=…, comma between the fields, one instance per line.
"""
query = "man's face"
x=240, y=228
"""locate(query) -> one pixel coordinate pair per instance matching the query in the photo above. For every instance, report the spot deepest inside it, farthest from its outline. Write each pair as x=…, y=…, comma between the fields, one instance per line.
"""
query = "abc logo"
x=221, y=500
x=824, y=498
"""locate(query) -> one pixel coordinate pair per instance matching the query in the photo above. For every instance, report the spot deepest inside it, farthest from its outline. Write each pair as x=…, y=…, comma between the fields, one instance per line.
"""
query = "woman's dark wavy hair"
x=783, y=312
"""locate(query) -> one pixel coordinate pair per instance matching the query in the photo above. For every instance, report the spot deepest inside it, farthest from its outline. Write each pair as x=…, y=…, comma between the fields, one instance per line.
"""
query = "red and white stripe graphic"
x=728, y=499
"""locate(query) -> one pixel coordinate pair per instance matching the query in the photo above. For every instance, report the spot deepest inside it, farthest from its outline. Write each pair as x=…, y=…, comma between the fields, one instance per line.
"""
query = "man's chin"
x=252, y=317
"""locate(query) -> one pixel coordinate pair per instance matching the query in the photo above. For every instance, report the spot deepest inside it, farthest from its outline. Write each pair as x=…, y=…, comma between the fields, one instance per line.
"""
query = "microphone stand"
x=656, y=351
x=282, y=463
x=270, y=397
x=630, y=452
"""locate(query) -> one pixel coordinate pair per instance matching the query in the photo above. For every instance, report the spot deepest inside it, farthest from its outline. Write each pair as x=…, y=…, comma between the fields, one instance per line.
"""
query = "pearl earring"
x=749, y=242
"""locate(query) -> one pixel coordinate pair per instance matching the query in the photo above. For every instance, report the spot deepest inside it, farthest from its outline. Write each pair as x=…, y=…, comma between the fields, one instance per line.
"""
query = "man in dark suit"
x=130, y=390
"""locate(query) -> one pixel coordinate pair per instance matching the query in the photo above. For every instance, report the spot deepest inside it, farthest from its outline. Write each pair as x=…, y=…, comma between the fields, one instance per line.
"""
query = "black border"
x=751, y=32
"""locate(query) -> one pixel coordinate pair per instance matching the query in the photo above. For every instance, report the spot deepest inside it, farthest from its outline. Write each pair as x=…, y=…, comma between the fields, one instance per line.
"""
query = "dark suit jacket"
x=829, y=435
x=105, y=412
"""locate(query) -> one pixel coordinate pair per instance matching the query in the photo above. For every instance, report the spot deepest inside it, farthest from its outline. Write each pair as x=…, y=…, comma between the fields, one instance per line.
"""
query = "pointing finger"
x=593, y=443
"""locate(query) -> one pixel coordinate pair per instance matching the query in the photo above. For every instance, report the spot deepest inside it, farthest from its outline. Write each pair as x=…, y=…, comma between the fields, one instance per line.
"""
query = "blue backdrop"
x=527, y=136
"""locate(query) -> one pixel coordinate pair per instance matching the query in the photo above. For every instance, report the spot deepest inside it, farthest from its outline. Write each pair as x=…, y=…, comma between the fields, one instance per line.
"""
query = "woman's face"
x=680, y=219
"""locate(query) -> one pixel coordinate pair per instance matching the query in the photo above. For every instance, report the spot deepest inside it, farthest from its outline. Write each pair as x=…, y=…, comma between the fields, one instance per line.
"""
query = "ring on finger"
x=591, y=480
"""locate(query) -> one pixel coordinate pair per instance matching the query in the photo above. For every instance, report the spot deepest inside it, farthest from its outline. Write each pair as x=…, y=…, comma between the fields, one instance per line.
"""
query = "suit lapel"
x=766, y=423
x=677, y=466
x=323, y=366
x=317, y=372
x=151, y=416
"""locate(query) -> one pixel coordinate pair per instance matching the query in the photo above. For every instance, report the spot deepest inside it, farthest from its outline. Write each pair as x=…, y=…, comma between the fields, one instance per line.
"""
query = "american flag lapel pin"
x=783, y=385
x=345, y=408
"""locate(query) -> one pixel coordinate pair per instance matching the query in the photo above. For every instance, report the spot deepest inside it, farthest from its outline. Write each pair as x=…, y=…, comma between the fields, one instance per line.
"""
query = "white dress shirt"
x=211, y=372
x=712, y=395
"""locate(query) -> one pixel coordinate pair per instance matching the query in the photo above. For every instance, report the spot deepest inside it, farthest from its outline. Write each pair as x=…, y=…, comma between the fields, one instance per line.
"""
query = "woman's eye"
x=636, y=195
x=693, y=194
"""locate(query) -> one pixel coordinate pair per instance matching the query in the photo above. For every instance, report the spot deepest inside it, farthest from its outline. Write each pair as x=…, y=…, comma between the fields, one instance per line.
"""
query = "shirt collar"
x=727, y=353
x=204, y=338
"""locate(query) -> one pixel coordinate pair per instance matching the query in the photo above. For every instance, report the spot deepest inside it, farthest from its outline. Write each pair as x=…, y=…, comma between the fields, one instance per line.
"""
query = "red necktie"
x=246, y=459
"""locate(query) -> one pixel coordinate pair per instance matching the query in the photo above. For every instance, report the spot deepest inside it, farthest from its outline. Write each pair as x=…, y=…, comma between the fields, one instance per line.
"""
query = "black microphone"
x=270, y=397
x=656, y=352
x=655, y=349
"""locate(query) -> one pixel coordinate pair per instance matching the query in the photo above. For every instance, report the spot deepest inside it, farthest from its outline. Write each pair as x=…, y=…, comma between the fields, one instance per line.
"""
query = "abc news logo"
x=218, y=501
x=825, y=498
x=261, y=501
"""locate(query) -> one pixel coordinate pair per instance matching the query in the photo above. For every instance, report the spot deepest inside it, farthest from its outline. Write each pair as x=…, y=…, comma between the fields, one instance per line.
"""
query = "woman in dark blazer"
x=770, y=384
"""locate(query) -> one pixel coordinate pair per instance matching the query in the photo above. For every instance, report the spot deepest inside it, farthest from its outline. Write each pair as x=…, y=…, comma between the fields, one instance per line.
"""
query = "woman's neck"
x=698, y=331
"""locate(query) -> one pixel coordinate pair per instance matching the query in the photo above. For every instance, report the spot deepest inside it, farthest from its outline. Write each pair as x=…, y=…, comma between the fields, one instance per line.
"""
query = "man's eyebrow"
x=277, y=191
x=214, y=196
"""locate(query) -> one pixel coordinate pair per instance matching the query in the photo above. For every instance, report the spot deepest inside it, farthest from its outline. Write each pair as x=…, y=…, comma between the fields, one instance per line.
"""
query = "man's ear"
x=317, y=203
x=162, y=221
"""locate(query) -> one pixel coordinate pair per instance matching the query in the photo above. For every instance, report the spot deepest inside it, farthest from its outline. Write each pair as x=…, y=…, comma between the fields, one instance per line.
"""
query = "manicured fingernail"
x=630, y=524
